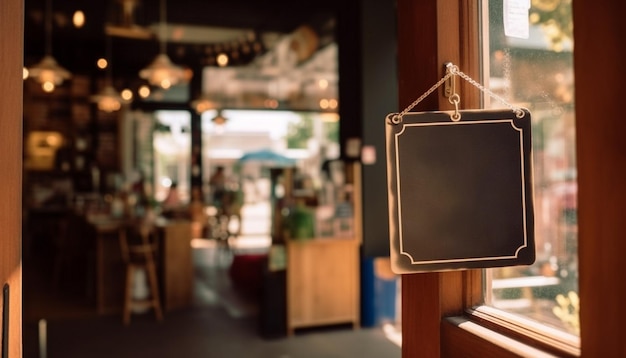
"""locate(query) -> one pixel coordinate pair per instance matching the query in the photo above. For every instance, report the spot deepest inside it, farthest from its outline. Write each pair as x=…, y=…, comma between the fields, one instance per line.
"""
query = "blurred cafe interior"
x=177, y=126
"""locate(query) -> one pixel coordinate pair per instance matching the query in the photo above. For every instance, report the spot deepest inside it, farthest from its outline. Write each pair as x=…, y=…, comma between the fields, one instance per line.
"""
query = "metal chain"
x=451, y=71
x=397, y=118
x=519, y=113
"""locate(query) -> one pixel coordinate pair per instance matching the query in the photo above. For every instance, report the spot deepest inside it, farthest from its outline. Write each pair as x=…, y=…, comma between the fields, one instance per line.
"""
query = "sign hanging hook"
x=449, y=91
x=449, y=84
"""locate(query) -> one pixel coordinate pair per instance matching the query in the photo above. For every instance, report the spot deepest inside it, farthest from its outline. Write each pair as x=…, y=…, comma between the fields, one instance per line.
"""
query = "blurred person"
x=197, y=214
x=217, y=183
x=172, y=200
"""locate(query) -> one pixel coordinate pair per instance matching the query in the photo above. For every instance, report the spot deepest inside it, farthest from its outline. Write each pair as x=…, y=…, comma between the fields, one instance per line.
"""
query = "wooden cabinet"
x=323, y=274
x=176, y=265
x=322, y=282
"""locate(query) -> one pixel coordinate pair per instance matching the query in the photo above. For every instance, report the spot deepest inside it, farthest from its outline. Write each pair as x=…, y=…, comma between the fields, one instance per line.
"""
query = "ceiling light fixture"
x=203, y=104
x=161, y=71
x=78, y=19
x=108, y=99
x=127, y=94
x=211, y=100
x=222, y=59
x=144, y=91
x=128, y=7
x=219, y=118
x=48, y=72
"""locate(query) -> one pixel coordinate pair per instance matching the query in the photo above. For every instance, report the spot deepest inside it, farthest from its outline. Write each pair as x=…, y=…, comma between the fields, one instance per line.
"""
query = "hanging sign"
x=460, y=190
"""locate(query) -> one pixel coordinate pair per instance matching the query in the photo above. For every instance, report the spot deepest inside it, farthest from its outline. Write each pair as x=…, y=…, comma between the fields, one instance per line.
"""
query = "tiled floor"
x=206, y=332
x=222, y=322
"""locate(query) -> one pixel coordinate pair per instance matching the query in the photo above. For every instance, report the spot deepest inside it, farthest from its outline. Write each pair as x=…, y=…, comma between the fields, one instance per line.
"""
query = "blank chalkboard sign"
x=460, y=192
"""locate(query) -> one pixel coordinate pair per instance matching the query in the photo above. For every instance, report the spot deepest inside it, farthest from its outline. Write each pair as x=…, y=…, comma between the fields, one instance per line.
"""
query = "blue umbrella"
x=268, y=158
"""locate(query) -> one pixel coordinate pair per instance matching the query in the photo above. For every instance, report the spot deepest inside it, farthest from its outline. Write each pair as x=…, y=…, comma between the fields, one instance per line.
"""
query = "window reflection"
x=308, y=138
x=172, y=153
x=537, y=73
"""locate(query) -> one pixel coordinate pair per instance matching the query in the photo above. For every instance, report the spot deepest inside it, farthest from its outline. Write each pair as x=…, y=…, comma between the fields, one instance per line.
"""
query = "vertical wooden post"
x=600, y=128
x=429, y=35
x=11, y=58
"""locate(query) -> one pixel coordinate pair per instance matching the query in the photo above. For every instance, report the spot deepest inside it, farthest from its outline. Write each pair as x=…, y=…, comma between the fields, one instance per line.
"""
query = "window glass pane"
x=309, y=138
x=172, y=153
x=270, y=139
x=536, y=72
x=178, y=93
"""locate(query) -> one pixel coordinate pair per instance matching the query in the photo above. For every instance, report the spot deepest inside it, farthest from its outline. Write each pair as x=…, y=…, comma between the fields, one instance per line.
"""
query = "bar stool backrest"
x=138, y=243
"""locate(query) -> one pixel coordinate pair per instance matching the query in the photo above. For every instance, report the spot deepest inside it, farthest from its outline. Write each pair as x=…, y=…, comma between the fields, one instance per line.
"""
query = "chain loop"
x=455, y=100
x=519, y=113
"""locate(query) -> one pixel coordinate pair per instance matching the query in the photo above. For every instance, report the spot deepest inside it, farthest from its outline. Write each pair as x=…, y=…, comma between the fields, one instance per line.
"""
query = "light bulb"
x=127, y=94
x=47, y=86
x=102, y=63
x=144, y=91
x=78, y=19
x=222, y=59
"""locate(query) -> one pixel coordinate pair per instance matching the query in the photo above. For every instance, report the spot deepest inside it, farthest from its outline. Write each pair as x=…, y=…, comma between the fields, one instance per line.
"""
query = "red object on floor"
x=246, y=272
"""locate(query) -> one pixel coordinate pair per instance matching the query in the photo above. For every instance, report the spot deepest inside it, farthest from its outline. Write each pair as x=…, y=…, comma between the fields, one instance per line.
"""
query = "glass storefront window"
x=534, y=69
x=307, y=137
x=172, y=152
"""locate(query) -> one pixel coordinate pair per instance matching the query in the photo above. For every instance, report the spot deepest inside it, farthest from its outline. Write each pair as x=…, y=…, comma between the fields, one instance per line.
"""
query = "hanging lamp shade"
x=163, y=73
x=108, y=99
x=203, y=104
x=219, y=118
x=49, y=73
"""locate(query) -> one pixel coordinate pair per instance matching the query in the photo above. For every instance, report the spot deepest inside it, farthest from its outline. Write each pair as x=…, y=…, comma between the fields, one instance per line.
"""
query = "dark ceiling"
x=78, y=48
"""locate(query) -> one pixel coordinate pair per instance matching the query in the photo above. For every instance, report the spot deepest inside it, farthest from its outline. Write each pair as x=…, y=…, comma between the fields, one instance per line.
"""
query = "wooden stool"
x=138, y=246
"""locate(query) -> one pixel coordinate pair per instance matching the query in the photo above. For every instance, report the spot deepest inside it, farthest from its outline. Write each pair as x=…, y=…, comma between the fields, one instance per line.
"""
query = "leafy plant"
x=567, y=310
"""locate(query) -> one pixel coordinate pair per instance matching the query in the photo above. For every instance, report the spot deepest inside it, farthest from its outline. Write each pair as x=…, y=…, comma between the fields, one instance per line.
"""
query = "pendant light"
x=213, y=101
x=48, y=72
x=219, y=118
x=108, y=99
x=204, y=103
x=161, y=71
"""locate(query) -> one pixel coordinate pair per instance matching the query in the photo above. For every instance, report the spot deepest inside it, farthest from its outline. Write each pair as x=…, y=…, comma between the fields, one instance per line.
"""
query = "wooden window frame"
x=438, y=315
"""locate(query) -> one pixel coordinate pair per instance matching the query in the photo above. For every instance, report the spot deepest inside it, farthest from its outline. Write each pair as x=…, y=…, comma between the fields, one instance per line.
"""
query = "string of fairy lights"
x=162, y=73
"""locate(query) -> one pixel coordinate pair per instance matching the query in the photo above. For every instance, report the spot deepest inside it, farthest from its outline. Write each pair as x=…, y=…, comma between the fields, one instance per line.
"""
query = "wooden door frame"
x=431, y=32
x=11, y=64
x=429, y=35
